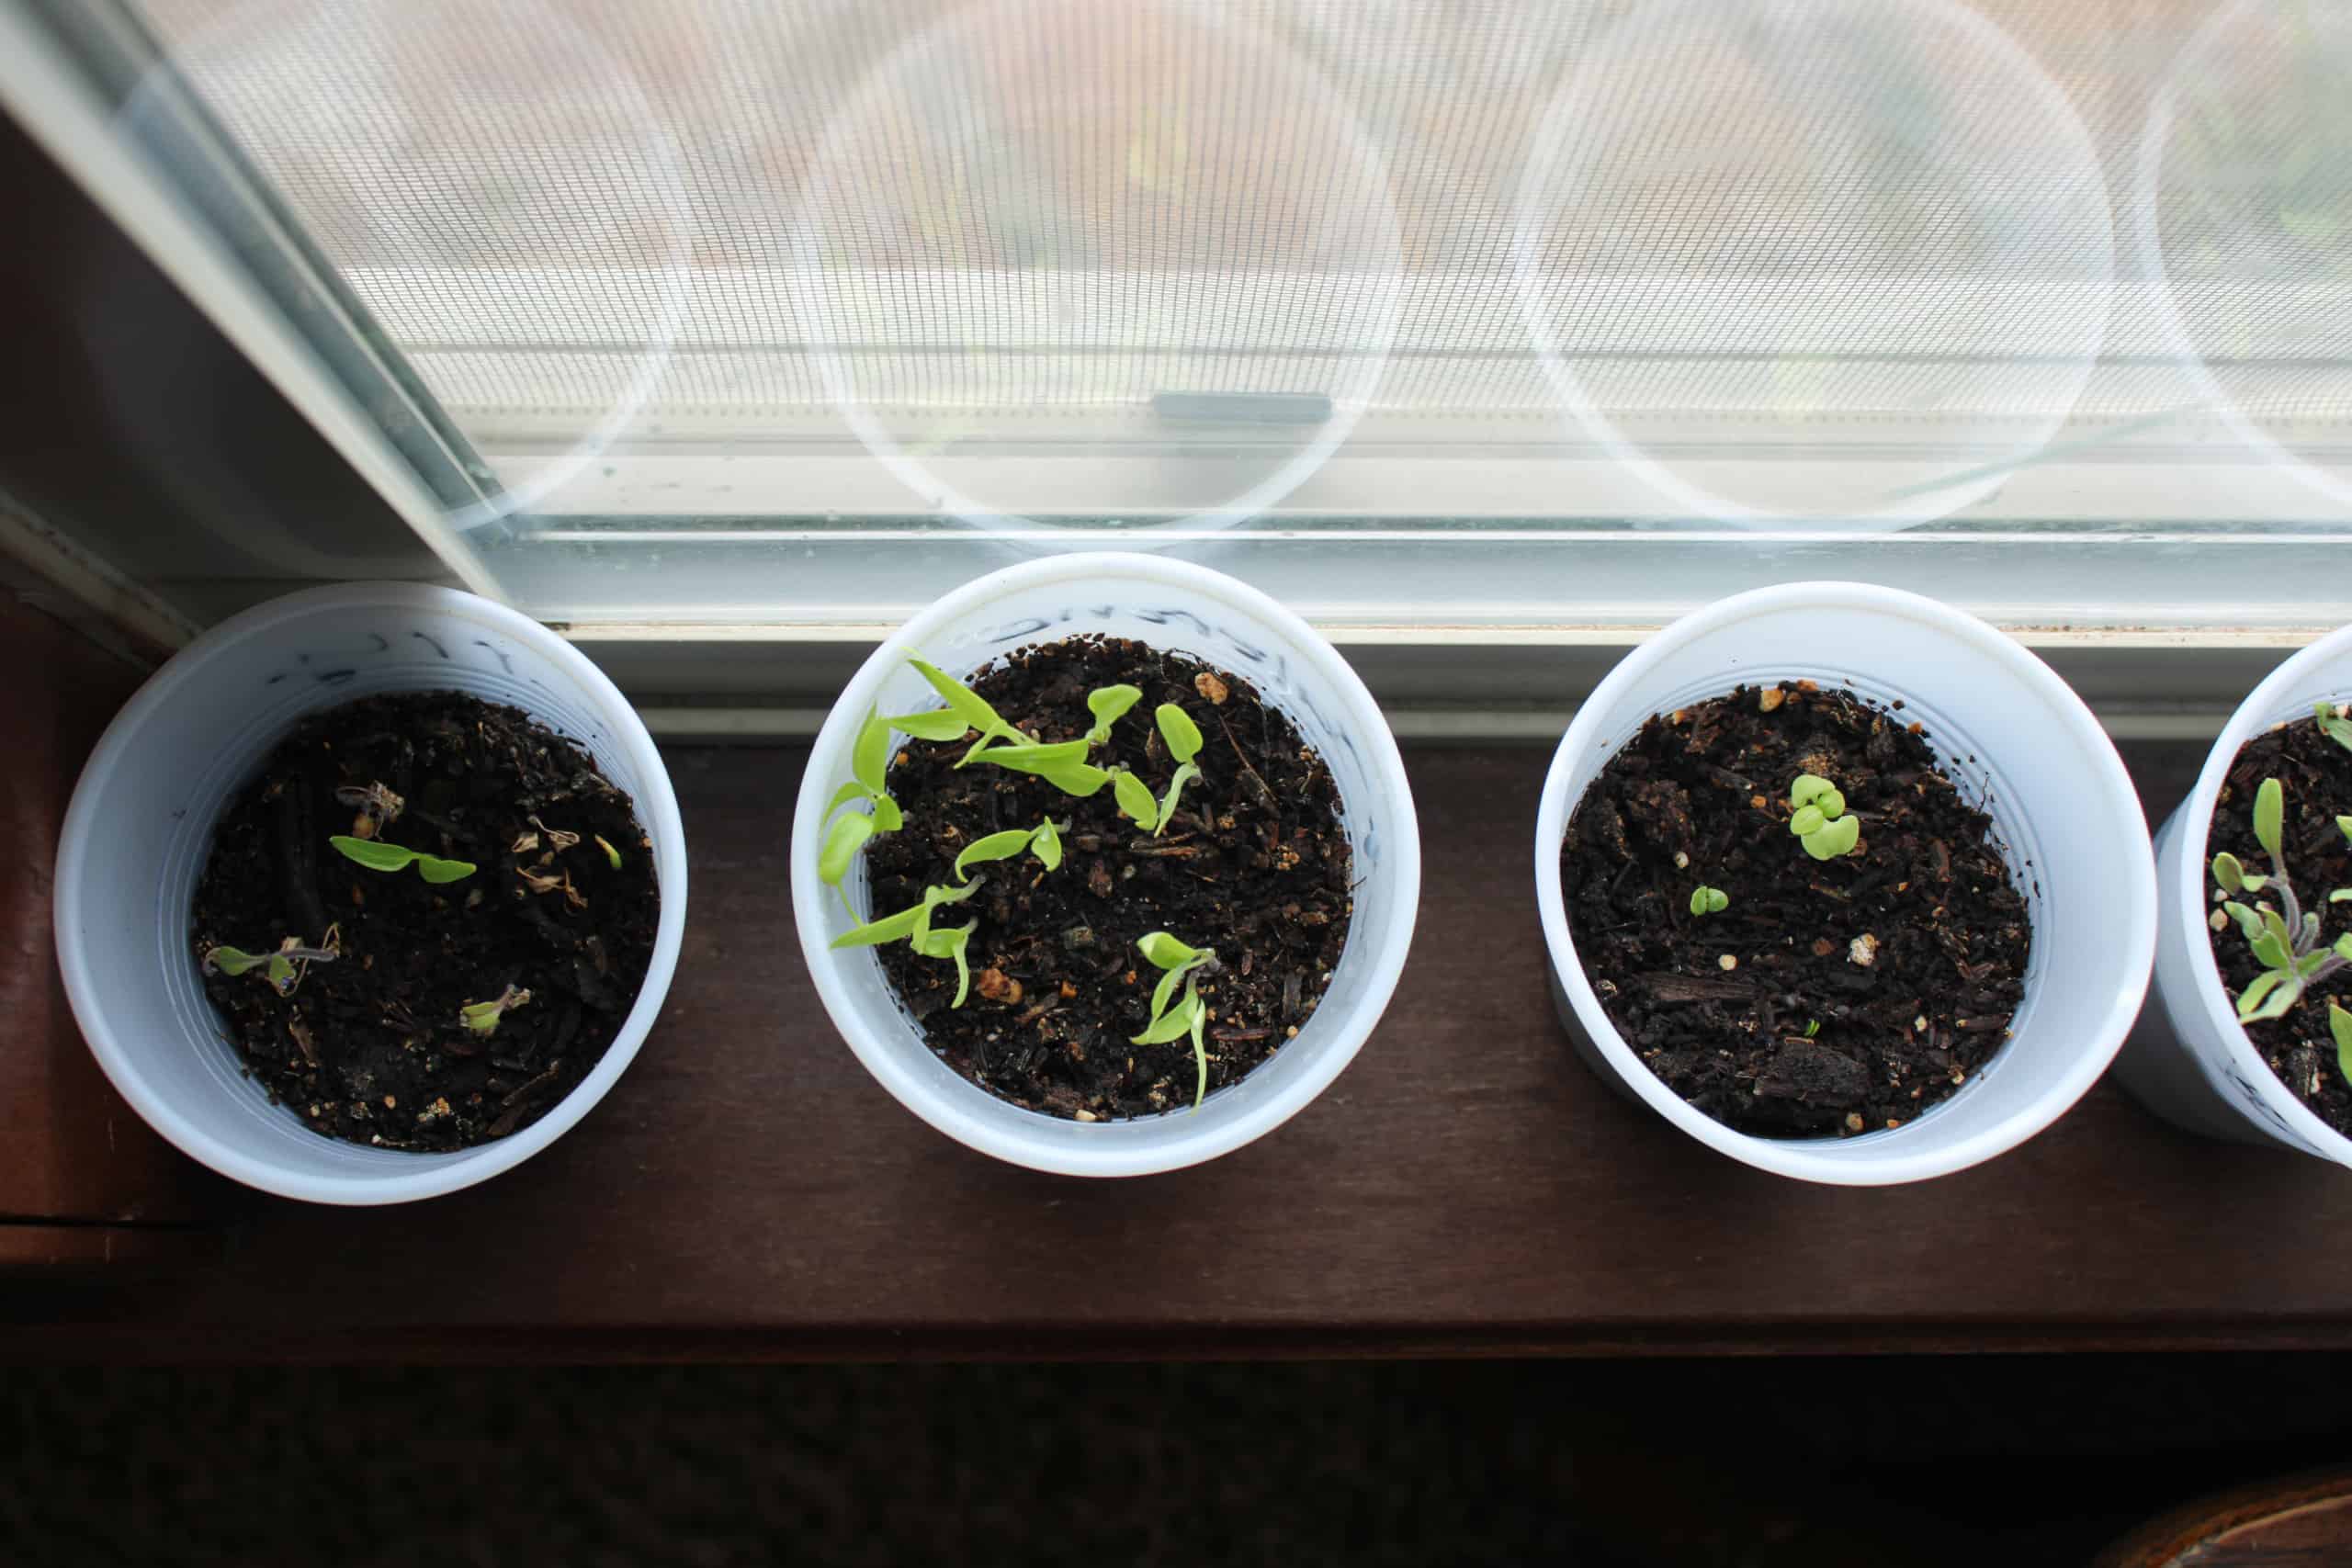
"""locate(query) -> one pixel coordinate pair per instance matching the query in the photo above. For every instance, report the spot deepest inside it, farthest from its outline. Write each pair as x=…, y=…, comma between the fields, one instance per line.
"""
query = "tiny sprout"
x=284, y=969
x=1183, y=737
x=1811, y=1027
x=393, y=857
x=482, y=1017
x=2339, y=1025
x=2332, y=723
x=914, y=924
x=1817, y=816
x=1108, y=706
x=1190, y=1014
x=1045, y=839
x=1709, y=900
x=2287, y=945
x=612, y=855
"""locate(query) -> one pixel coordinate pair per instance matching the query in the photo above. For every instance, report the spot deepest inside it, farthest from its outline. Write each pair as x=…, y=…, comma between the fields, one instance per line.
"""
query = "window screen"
x=1423, y=313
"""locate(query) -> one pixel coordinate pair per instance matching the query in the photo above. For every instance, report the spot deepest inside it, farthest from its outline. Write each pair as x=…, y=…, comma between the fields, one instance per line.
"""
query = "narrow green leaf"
x=1109, y=704
x=2333, y=727
x=936, y=724
x=1809, y=819
x=968, y=704
x=1047, y=842
x=2269, y=817
x=2249, y=923
x=844, y=796
x=1808, y=786
x=1184, y=775
x=372, y=854
x=1078, y=780
x=2340, y=895
x=2289, y=989
x=1168, y=984
x=2260, y=987
x=2276, y=924
x=1200, y=1054
x=612, y=855
x=2343, y=947
x=1830, y=803
x=1176, y=1021
x=2344, y=826
x=842, y=841
x=2339, y=1025
x=1029, y=757
x=1135, y=798
x=951, y=943
x=234, y=960
x=434, y=869
x=1836, y=839
x=1176, y=728
x=889, y=927
x=2229, y=873
x=2310, y=964
x=996, y=846
x=1162, y=950
x=2272, y=951
x=869, y=758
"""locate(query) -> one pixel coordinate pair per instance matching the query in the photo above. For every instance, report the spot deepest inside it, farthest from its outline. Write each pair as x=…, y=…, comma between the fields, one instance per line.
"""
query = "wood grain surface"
x=71, y=1151
x=1466, y=1187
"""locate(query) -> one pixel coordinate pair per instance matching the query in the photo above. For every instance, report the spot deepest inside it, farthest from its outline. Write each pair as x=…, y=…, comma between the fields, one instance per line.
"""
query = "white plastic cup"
x=140, y=829
x=2188, y=1061
x=2020, y=745
x=1185, y=609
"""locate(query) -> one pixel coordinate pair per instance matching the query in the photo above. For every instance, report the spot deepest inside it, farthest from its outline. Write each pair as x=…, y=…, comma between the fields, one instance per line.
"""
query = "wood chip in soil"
x=1255, y=864
x=1698, y=796
x=371, y=1047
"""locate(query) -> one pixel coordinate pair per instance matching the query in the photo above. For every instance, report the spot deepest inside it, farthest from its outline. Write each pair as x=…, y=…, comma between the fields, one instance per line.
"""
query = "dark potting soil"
x=1909, y=953
x=371, y=1047
x=2314, y=773
x=1254, y=865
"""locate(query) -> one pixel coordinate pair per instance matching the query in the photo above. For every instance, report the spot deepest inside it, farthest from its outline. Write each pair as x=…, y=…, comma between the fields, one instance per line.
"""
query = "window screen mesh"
x=1680, y=232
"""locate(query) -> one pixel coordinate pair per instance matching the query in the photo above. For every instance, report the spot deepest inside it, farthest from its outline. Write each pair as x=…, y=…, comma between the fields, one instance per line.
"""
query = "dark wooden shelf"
x=1467, y=1187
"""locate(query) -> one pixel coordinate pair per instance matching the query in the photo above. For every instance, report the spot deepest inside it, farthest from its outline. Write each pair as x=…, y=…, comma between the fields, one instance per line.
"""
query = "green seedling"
x=1061, y=763
x=2332, y=723
x=1108, y=706
x=1188, y=1014
x=2284, y=941
x=1709, y=900
x=612, y=855
x=1183, y=737
x=913, y=923
x=393, y=857
x=1136, y=799
x=1811, y=1027
x=970, y=709
x=482, y=1017
x=284, y=969
x=1045, y=839
x=1817, y=816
